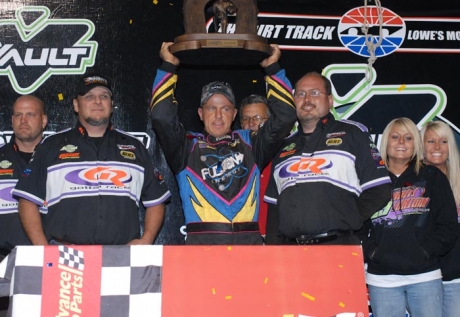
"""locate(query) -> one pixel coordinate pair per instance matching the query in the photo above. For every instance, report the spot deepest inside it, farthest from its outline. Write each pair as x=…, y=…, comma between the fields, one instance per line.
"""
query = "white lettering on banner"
x=47, y=59
x=425, y=35
x=453, y=35
x=309, y=32
x=336, y=33
x=269, y=30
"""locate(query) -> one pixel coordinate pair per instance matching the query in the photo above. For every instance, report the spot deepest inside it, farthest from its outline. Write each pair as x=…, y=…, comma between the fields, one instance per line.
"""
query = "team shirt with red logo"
x=317, y=179
x=93, y=193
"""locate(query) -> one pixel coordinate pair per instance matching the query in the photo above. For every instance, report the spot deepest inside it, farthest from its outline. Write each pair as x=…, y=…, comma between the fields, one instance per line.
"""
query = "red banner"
x=73, y=281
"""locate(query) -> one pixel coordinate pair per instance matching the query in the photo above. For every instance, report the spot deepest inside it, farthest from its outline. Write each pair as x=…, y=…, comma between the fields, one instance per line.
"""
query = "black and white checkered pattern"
x=71, y=257
x=130, y=279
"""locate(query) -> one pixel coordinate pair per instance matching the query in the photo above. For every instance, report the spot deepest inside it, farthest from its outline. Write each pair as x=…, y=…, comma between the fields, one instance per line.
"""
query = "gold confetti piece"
x=130, y=21
x=288, y=315
x=341, y=266
x=402, y=87
x=60, y=97
x=213, y=291
x=341, y=304
x=307, y=296
x=354, y=253
x=304, y=249
x=228, y=297
x=266, y=280
x=229, y=248
x=254, y=81
x=155, y=1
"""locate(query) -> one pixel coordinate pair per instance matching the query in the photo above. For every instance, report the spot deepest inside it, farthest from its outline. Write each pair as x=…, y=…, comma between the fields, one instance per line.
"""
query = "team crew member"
x=28, y=122
x=218, y=170
x=92, y=178
x=254, y=112
x=328, y=177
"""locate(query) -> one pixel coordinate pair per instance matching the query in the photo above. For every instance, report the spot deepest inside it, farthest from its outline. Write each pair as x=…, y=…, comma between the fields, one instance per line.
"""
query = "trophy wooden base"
x=220, y=49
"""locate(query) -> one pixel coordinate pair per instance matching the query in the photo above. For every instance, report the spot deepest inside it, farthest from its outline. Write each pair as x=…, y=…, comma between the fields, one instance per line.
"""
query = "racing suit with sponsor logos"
x=219, y=178
x=92, y=191
x=320, y=180
x=11, y=167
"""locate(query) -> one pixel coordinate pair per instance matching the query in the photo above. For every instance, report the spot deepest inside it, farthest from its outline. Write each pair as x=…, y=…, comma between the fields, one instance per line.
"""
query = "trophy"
x=197, y=47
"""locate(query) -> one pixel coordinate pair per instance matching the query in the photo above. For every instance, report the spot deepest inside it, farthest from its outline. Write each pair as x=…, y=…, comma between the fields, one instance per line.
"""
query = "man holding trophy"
x=218, y=169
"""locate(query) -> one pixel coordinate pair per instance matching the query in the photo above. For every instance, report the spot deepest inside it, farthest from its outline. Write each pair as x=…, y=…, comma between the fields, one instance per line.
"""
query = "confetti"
x=254, y=81
x=266, y=280
x=341, y=304
x=213, y=291
x=354, y=253
x=130, y=21
x=402, y=87
x=308, y=296
x=228, y=297
x=229, y=248
x=60, y=97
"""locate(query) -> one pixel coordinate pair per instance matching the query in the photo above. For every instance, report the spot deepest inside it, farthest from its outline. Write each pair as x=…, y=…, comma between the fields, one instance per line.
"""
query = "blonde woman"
x=406, y=238
x=440, y=150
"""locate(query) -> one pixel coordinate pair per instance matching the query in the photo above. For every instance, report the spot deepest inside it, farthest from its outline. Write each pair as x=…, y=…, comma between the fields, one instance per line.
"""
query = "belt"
x=319, y=238
x=219, y=227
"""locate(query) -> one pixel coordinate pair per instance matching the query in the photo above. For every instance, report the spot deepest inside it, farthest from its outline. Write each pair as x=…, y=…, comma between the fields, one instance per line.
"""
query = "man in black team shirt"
x=92, y=179
x=28, y=121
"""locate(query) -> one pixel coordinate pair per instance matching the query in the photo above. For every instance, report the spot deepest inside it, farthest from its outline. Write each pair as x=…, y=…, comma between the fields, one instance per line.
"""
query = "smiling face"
x=310, y=107
x=400, y=146
x=94, y=108
x=436, y=149
x=217, y=115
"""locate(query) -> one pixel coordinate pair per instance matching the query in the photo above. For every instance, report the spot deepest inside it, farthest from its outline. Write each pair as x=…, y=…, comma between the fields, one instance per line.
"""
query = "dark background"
x=130, y=33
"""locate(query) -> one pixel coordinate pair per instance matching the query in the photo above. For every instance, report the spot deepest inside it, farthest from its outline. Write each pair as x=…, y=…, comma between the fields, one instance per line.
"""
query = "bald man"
x=28, y=121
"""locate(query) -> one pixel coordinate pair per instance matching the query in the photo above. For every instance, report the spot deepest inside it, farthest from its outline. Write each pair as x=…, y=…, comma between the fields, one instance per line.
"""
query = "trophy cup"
x=197, y=47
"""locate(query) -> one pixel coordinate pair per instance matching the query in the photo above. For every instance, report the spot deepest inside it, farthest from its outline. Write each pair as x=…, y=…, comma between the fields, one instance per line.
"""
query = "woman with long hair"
x=406, y=238
x=440, y=150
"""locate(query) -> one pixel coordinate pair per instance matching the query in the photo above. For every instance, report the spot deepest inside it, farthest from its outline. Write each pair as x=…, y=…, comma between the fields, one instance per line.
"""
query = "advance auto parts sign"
x=28, y=62
x=335, y=33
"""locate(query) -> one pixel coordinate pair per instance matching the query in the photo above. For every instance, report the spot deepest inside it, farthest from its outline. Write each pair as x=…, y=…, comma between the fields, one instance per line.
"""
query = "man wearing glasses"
x=254, y=111
x=328, y=177
x=218, y=170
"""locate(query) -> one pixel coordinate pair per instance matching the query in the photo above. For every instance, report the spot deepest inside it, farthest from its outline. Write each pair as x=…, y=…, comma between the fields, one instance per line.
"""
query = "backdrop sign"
x=68, y=50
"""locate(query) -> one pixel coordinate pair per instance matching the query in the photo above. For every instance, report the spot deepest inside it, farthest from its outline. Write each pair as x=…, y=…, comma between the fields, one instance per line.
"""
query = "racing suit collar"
x=15, y=146
x=82, y=131
x=227, y=138
x=322, y=122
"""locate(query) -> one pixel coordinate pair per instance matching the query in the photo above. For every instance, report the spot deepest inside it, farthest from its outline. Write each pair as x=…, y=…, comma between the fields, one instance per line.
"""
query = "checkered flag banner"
x=71, y=257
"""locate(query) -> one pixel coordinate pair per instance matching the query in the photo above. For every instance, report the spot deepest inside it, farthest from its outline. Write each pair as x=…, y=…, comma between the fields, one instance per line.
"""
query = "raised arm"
x=165, y=120
x=282, y=108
